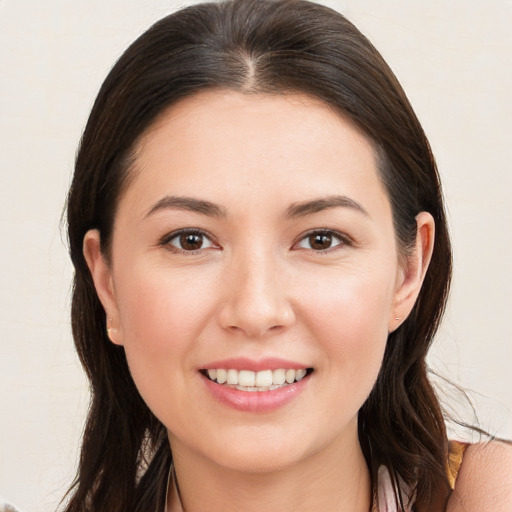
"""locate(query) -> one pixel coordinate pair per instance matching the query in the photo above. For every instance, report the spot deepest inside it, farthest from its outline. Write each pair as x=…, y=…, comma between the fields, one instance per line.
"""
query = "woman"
x=262, y=261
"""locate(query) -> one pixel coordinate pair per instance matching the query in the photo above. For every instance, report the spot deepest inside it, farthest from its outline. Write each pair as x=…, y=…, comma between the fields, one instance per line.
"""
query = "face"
x=254, y=246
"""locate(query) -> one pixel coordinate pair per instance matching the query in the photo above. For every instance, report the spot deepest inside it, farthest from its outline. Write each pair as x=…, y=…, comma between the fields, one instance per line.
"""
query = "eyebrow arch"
x=323, y=203
x=189, y=204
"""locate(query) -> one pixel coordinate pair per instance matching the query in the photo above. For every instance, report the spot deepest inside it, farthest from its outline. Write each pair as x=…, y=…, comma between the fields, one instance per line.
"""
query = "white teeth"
x=232, y=377
x=300, y=374
x=290, y=376
x=244, y=388
x=246, y=378
x=278, y=377
x=266, y=380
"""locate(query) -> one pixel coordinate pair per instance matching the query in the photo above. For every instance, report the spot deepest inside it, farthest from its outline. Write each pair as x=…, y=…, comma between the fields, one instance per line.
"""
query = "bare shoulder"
x=485, y=479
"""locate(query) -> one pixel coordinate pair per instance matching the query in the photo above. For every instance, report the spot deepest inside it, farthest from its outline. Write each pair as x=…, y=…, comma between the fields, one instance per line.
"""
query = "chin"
x=265, y=449
x=258, y=460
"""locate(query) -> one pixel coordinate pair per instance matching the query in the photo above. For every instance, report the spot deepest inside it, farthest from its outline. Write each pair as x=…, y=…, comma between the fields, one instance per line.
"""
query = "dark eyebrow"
x=323, y=203
x=187, y=203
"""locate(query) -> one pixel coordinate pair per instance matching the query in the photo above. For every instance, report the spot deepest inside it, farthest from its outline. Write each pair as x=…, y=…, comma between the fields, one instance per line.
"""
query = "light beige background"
x=454, y=59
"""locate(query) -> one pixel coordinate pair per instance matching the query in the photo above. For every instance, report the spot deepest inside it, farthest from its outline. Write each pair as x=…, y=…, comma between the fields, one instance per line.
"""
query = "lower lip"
x=255, y=401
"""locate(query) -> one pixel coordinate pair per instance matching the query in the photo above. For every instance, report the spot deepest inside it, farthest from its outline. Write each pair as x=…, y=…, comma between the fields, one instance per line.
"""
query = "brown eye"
x=322, y=241
x=189, y=241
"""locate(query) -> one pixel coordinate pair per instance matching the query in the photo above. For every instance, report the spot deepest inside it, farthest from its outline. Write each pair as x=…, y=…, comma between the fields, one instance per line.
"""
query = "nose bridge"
x=256, y=299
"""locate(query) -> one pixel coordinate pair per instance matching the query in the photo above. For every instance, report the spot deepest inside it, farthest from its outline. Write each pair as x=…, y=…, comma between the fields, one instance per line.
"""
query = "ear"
x=412, y=271
x=102, y=277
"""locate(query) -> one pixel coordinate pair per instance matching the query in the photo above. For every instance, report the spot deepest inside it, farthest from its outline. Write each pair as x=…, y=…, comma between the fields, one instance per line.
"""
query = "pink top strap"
x=386, y=501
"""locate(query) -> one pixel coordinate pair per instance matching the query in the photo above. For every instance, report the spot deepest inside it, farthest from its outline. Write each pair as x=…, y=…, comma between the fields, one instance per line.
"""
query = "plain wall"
x=453, y=59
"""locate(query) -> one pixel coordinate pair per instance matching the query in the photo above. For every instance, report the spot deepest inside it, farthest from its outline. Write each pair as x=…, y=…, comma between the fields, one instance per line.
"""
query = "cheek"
x=348, y=317
x=162, y=310
x=350, y=302
x=160, y=321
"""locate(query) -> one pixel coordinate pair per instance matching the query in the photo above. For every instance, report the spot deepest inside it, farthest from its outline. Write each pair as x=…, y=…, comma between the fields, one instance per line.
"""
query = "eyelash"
x=343, y=240
x=166, y=241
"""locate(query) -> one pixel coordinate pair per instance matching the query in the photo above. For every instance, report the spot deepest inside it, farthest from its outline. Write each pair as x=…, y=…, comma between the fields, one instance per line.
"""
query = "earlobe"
x=412, y=272
x=102, y=277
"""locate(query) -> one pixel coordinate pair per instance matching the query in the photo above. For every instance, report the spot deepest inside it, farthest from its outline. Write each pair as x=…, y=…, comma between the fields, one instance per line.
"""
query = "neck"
x=335, y=479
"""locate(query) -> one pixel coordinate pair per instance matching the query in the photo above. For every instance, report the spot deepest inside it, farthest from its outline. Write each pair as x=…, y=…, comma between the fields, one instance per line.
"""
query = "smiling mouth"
x=247, y=380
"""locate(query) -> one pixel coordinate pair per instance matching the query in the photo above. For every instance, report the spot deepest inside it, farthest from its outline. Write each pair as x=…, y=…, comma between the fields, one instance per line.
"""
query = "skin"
x=258, y=288
x=485, y=479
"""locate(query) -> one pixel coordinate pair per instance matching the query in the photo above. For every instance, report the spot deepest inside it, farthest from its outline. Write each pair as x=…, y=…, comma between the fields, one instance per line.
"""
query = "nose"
x=256, y=300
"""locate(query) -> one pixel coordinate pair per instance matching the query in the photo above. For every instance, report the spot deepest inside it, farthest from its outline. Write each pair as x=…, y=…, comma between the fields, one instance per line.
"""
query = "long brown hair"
x=254, y=46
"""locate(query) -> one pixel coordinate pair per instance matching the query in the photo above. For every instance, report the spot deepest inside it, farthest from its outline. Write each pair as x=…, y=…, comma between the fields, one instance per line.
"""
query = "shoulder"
x=485, y=479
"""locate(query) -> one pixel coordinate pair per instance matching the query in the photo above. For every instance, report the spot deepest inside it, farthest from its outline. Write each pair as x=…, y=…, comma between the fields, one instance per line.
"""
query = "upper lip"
x=255, y=365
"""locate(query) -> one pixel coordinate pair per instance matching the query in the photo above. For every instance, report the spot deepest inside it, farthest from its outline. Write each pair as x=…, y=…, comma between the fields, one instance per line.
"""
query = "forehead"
x=227, y=143
x=222, y=112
